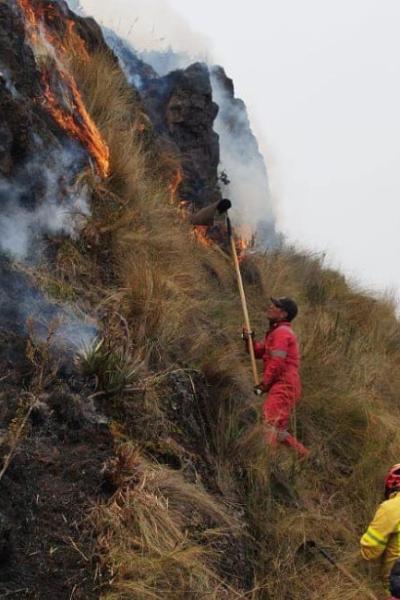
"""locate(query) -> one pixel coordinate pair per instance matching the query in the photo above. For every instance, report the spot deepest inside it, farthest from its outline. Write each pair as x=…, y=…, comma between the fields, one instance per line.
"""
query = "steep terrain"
x=134, y=464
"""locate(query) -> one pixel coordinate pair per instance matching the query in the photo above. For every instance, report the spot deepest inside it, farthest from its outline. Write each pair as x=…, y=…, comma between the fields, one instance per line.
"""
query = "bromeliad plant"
x=113, y=367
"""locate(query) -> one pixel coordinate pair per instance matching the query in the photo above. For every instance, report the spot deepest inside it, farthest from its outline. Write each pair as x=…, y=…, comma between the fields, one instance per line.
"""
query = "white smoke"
x=149, y=25
x=62, y=209
x=25, y=310
x=76, y=6
x=57, y=325
x=169, y=60
x=6, y=77
x=43, y=199
x=242, y=162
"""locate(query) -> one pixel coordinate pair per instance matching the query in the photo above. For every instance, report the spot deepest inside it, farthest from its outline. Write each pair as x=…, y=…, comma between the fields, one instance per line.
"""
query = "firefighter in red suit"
x=281, y=379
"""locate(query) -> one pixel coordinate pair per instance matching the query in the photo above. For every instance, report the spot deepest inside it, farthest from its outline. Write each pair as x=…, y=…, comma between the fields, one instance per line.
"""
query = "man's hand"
x=247, y=334
x=260, y=389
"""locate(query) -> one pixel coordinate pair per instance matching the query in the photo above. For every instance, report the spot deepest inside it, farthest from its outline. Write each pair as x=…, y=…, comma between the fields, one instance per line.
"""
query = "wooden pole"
x=356, y=582
x=243, y=300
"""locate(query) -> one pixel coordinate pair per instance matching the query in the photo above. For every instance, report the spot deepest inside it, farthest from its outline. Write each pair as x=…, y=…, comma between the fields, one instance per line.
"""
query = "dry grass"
x=180, y=306
x=147, y=532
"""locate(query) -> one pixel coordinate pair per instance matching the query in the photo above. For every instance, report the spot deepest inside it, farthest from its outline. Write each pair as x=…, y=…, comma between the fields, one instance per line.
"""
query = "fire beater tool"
x=312, y=546
x=243, y=299
x=206, y=216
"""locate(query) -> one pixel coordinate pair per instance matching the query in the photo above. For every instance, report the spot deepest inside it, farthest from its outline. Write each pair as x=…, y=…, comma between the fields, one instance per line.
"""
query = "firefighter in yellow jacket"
x=382, y=538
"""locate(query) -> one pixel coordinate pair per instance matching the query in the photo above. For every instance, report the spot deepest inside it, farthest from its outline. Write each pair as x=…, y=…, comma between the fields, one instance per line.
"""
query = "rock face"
x=195, y=110
x=182, y=109
x=19, y=85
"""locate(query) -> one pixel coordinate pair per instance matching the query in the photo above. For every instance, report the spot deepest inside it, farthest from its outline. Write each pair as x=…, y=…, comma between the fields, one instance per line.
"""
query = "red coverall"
x=281, y=357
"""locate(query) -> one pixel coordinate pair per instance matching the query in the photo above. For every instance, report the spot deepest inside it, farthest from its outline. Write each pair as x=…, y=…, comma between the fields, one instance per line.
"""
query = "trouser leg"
x=276, y=416
x=295, y=444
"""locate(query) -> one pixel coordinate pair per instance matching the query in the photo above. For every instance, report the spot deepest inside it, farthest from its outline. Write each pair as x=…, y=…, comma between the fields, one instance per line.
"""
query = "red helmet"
x=392, y=480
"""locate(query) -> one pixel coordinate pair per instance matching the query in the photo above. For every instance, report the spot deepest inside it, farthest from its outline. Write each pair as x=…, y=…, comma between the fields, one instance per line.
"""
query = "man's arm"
x=374, y=541
x=259, y=347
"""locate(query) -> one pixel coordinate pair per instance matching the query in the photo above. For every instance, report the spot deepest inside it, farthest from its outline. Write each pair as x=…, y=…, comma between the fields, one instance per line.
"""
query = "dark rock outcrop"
x=182, y=109
x=22, y=118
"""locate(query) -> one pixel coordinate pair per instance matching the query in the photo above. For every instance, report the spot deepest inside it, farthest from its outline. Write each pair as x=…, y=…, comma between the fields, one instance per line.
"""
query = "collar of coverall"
x=279, y=323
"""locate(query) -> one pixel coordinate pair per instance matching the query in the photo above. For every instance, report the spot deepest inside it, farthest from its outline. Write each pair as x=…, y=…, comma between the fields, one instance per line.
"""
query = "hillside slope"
x=134, y=461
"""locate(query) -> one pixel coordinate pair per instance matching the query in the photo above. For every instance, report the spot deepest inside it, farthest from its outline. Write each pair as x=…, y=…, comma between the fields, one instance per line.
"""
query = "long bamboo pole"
x=243, y=300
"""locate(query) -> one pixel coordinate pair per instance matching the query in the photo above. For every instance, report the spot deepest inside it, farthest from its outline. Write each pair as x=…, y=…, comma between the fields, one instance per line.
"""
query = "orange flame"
x=218, y=235
x=200, y=235
x=242, y=246
x=244, y=240
x=76, y=121
x=174, y=185
x=205, y=235
x=74, y=41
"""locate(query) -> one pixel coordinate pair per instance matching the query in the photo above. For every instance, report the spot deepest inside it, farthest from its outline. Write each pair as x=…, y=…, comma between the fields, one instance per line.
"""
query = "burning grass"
x=179, y=302
x=65, y=105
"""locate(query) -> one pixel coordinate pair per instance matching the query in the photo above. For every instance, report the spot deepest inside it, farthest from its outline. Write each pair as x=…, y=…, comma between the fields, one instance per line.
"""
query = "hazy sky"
x=321, y=79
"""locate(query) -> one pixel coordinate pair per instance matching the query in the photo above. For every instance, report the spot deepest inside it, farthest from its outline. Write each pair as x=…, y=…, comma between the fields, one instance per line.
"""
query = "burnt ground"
x=46, y=494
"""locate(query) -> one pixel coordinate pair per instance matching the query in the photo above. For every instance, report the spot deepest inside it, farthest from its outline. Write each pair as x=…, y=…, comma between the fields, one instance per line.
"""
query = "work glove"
x=260, y=389
x=246, y=334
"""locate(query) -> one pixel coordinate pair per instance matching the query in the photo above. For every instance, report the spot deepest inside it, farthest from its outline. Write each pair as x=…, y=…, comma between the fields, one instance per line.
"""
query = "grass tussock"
x=144, y=533
x=172, y=304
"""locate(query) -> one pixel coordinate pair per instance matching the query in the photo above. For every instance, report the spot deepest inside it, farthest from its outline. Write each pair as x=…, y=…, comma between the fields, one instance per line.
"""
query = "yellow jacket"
x=382, y=538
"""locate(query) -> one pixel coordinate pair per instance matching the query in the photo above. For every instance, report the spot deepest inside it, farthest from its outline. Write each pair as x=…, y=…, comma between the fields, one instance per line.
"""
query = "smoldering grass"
x=45, y=199
x=61, y=329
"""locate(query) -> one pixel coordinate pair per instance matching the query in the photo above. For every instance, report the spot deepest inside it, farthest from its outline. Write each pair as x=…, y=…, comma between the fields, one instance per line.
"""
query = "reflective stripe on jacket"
x=382, y=538
x=280, y=354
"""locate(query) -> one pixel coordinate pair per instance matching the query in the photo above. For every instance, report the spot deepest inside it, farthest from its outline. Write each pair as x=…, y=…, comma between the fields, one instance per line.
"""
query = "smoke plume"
x=242, y=165
x=149, y=25
x=5, y=75
x=25, y=310
x=42, y=200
